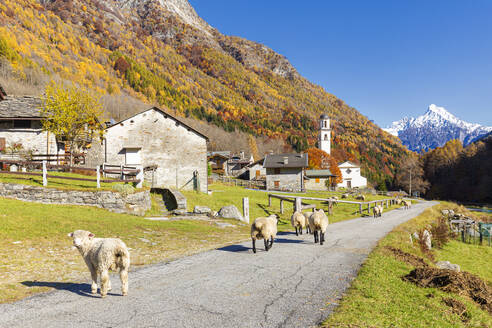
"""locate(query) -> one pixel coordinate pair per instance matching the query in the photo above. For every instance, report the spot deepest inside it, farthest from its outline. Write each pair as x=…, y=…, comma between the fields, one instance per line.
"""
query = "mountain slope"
x=434, y=129
x=162, y=52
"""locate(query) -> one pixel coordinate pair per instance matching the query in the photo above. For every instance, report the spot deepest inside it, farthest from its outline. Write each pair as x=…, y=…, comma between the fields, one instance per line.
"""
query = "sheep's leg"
x=94, y=280
x=271, y=241
x=300, y=230
x=104, y=282
x=321, y=237
x=254, y=245
x=315, y=236
x=296, y=232
x=265, y=241
x=124, y=281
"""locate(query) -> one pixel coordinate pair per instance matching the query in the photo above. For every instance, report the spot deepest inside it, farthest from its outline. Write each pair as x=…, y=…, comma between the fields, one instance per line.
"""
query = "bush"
x=124, y=189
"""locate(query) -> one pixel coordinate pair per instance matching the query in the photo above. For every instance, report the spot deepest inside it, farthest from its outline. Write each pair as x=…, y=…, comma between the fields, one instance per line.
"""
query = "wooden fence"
x=136, y=173
x=252, y=184
x=300, y=205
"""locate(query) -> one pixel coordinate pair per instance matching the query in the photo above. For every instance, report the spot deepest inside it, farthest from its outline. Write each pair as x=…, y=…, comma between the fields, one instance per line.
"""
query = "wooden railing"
x=252, y=184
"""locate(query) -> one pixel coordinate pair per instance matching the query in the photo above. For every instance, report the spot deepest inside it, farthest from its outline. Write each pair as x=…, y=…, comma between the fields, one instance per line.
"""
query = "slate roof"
x=20, y=107
x=278, y=160
x=319, y=173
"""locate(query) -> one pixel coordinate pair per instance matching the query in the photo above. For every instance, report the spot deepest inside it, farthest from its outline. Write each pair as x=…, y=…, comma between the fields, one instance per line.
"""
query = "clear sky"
x=388, y=59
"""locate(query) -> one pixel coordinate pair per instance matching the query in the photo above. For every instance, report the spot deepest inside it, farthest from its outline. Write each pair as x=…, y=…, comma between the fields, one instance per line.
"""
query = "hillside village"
x=155, y=172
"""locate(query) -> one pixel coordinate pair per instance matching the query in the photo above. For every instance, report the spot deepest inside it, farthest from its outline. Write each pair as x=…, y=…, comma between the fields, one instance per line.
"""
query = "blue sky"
x=388, y=59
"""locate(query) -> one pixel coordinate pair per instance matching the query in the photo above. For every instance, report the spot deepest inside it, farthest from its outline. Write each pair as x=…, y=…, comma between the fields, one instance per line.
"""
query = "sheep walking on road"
x=377, y=210
x=406, y=204
x=318, y=222
x=264, y=228
x=298, y=221
x=102, y=255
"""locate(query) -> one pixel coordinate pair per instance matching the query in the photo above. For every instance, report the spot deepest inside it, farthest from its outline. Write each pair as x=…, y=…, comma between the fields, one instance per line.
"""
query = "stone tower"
x=324, y=140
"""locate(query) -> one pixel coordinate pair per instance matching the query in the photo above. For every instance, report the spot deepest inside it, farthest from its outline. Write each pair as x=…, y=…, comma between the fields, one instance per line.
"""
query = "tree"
x=410, y=175
x=71, y=114
x=319, y=159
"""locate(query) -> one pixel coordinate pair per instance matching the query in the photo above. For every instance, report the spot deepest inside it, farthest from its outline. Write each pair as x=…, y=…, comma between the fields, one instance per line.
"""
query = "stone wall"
x=289, y=179
x=136, y=203
x=175, y=150
x=31, y=139
x=311, y=184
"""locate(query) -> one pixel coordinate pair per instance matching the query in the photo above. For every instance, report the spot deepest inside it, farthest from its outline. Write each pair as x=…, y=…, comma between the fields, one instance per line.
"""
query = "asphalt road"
x=295, y=284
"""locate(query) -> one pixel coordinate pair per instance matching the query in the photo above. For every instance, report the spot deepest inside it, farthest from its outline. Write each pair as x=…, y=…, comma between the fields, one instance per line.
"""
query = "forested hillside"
x=142, y=49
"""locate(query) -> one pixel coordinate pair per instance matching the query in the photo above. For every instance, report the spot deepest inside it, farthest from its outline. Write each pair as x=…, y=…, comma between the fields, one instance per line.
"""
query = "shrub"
x=124, y=189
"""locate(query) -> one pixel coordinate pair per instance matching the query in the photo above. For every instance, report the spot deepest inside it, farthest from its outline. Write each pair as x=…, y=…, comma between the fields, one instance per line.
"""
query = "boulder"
x=445, y=212
x=201, y=210
x=231, y=212
x=180, y=212
x=448, y=266
x=426, y=236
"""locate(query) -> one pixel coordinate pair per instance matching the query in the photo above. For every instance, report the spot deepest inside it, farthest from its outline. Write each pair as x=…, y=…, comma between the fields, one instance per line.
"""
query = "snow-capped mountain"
x=434, y=129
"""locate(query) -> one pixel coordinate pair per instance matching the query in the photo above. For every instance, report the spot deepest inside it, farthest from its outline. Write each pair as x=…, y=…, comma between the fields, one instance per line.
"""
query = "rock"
x=163, y=218
x=231, y=212
x=426, y=236
x=201, y=210
x=448, y=266
x=144, y=240
x=445, y=212
x=180, y=212
x=224, y=225
x=415, y=236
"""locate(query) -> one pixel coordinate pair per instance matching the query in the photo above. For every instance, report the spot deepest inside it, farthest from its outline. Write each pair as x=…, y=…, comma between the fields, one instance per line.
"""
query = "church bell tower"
x=324, y=139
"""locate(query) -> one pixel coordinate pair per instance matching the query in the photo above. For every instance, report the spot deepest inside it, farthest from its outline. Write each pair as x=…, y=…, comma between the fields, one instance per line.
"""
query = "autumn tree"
x=319, y=159
x=410, y=175
x=71, y=114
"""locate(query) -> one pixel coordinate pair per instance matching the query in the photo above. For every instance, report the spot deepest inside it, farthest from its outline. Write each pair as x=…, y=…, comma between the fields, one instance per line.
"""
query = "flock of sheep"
x=104, y=254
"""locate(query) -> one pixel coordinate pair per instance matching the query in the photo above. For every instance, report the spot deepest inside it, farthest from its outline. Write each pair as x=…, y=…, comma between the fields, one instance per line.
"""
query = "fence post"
x=281, y=206
x=360, y=208
x=368, y=208
x=45, y=178
x=98, y=177
x=121, y=171
x=330, y=207
x=269, y=200
x=140, y=176
x=298, y=206
x=246, y=208
x=480, y=232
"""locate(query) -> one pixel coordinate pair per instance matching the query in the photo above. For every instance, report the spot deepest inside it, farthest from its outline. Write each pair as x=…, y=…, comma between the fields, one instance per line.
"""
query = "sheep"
x=318, y=221
x=345, y=196
x=406, y=204
x=298, y=220
x=101, y=255
x=360, y=197
x=334, y=199
x=264, y=228
x=398, y=201
x=377, y=210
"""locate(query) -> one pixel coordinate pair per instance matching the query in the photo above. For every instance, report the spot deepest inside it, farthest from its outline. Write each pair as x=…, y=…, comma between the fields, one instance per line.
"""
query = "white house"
x=351, y=176
x=173, y=154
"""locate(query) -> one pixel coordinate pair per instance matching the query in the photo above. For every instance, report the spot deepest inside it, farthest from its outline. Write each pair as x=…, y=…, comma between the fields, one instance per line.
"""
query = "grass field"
x=57, y=183
x=34, y=245
x=258, y=201
x=379, y=297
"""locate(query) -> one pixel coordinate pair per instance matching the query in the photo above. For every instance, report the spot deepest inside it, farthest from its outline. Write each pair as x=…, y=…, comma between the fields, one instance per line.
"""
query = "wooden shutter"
x=2, y=144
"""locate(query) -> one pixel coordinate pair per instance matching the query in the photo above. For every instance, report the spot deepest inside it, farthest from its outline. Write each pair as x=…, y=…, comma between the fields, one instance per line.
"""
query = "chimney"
x=286, y=160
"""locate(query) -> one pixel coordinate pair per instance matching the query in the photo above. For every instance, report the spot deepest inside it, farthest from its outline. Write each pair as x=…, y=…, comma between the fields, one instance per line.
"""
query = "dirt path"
x=295, y=284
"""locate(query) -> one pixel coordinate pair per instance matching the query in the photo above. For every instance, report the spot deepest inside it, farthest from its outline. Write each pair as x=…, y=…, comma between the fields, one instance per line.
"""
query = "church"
x=351, y=174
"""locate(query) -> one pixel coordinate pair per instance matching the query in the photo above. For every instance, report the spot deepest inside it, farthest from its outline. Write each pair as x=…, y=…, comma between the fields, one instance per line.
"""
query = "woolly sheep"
x=398, y=201
x=264, y=228
x=102, y=255
x=345, y=196
x=406, y=204
x=318, y=221
x=377, y=210
x=360, y=197
x=298, y=221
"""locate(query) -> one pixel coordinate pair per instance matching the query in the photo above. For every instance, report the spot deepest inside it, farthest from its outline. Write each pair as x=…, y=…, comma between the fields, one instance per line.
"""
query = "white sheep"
x=406, y=204
x=318, y=221
x=360, y=197
x=298, y=221
x=102, y=255
x=264, y=228
x=345, y=196
x=377, y=210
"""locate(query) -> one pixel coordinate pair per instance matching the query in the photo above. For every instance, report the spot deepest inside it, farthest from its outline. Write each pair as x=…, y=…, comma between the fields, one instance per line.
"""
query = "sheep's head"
x=80, y=237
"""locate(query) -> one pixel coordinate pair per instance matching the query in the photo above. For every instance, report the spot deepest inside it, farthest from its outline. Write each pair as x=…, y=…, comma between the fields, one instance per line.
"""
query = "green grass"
x=258, y=201
x=57, y=183
x=34, y=243
x=379, y=297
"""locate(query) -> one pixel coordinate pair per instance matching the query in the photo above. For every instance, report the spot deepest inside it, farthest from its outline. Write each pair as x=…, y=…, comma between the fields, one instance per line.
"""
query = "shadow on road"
x=79, y=289
x=288, y=241
x=234, y=248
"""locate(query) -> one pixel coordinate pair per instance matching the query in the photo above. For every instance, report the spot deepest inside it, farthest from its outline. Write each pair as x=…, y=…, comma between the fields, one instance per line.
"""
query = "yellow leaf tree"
x=71, y=114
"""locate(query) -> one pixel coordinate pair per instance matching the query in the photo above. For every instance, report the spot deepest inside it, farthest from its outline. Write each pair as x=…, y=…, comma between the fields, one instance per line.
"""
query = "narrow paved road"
x=295, y=284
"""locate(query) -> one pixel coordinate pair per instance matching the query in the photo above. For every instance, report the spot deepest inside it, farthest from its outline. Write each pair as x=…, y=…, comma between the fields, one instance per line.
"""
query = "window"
x=326, y=137
x=22, y=124
x=132, y=156
x=348, y=171
x=276, y=170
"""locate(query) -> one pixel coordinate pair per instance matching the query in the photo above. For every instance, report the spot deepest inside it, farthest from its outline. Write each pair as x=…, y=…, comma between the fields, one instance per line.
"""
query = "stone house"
x=317, y=179
x=351, y=176
x=256, y=170
x=173, y=154
x=20, y=124
x=285, y=171
x=218, y=160
x=237, y=165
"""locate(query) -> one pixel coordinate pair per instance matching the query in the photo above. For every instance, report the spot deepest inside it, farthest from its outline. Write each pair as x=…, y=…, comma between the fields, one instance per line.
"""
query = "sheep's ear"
x=91, y=235
x=70, y=234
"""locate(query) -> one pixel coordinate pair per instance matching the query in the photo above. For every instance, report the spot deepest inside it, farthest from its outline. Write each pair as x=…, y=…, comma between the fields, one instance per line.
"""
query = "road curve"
x=295, y=284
